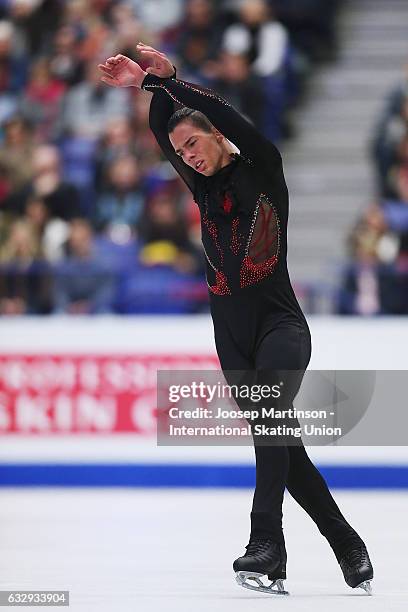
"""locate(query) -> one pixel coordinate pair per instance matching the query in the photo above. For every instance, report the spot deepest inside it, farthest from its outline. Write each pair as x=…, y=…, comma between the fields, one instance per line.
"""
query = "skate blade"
x=366, y=586
x=243, y=577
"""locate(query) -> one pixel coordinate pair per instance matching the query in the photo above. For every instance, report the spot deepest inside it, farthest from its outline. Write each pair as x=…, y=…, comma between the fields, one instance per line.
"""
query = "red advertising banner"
x=100, y=394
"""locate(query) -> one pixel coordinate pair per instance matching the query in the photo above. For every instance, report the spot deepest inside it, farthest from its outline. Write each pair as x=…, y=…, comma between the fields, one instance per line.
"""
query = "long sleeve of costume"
x=161, y=109
x=221, y=114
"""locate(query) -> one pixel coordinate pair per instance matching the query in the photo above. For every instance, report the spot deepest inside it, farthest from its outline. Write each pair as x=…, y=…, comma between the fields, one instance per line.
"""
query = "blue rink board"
x=188, y=475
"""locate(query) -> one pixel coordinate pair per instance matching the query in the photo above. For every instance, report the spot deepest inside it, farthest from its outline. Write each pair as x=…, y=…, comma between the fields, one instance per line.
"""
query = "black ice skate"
x=357, y=569
x=264, y=559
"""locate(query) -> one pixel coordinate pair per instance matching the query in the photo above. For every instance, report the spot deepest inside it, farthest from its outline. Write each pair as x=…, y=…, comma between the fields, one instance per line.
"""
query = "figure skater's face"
x=203, y=151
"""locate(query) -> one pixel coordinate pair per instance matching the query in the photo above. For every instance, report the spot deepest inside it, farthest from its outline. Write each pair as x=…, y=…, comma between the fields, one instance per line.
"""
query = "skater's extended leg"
x=308, y=487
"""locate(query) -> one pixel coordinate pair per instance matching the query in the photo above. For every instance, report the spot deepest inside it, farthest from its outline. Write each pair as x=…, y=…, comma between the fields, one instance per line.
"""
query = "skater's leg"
x=304, y=481
x=280, y=349
x=308, y=487
x=265, y=554
x=272, y=465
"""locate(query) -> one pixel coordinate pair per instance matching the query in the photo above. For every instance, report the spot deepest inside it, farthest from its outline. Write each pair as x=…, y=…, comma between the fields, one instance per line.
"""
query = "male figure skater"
x=258, y=323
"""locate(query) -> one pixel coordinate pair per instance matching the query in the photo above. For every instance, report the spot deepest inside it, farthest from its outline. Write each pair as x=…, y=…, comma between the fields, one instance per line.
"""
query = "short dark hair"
x=196, y=117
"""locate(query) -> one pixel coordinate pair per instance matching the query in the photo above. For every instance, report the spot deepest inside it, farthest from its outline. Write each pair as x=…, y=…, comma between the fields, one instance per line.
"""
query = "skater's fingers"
x=115, y=59
x=106, y=69
x=152, y=54
x=109, y=81
x=145, y=50
x=148, y=48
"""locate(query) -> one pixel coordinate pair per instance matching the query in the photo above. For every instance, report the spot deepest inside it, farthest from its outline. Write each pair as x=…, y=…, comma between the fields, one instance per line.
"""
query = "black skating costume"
x=258, y=323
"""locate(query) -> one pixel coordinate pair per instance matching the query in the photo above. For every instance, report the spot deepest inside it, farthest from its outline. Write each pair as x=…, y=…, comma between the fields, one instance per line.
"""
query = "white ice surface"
x=172, y=550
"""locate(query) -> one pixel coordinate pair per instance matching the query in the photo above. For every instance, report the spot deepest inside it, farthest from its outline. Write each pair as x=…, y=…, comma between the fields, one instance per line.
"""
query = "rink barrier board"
x=189, y=476
x=378, y=343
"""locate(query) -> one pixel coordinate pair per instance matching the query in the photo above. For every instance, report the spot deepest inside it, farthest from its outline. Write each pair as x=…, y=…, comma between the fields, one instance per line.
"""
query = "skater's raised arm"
x=224, y=117
x=161, y=109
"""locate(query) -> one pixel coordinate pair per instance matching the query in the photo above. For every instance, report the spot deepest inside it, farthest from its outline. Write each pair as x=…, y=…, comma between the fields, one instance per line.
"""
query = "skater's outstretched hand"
x=161, y=66
x=121, y=71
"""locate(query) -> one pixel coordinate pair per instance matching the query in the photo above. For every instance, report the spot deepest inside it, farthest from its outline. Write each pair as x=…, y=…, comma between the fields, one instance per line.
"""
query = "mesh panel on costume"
x=264, y=241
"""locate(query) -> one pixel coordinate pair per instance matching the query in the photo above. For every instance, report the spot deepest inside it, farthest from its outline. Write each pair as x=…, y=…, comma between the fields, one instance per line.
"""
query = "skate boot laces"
x=357, y=568
x=356, y=556
x=256, y=547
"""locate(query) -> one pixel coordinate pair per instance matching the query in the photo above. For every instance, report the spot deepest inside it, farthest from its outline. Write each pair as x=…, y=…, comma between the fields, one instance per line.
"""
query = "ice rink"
x=172, y=550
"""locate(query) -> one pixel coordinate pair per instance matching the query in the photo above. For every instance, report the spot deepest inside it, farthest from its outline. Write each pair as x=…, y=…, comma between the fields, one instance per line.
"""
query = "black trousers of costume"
x=277, y=467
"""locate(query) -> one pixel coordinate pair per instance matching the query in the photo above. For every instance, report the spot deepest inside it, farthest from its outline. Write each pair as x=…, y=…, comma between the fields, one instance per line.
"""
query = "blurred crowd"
x=376, y=279
x=93, y=219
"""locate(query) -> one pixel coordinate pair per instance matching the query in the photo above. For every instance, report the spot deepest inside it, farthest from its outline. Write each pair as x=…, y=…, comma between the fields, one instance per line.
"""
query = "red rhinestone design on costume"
x=261, y=253
x=227, y=203
x=252, y=273
x=236, y=239
x=221, y=285
x=213, y=231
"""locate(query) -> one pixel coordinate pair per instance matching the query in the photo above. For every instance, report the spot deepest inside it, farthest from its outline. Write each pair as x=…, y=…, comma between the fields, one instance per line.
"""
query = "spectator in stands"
x=168, y=275
x=118, y=140
x=127, y=29
x=370, y=284
x=120, y=204
x=265, y=42
x=89, y=21
x=147, y=150
x=396, y=97
x=66, y=63
x=259, y=36
x=97, y=36
x=37, y=215
x=158, y=15
x=35, y=21
x=83, y=282
x=312, y=24
x=241, y=88
x=368, y=289
x=199, y=37
x=24, y=279
x=60, y=197
x=402, y=150
x=391, y=132
x=52, y=231
x=42, y=99
x=13, y=62
x=396, y=215
x=16, y=153
x=163, y=231
x=22, y=244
